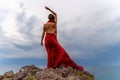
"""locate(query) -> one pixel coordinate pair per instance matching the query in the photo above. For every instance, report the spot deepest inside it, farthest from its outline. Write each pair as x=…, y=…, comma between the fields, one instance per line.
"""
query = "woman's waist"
x=50, y=33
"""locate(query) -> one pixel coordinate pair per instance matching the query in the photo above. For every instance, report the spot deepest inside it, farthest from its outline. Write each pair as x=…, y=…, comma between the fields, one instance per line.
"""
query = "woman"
x=56, y=54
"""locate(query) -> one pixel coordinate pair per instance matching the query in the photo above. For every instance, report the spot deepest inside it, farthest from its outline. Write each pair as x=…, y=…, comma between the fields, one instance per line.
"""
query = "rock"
x=26, y=71
x=33, y=73
x=19, y=76
x=71, y=78
x=7, y=75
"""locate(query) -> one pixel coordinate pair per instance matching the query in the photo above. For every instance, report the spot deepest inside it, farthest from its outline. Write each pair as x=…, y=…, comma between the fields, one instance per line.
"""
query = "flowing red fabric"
x=56, y=54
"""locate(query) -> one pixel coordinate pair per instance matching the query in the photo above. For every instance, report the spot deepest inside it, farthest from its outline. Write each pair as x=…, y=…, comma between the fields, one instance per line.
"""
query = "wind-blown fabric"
x=57, y=56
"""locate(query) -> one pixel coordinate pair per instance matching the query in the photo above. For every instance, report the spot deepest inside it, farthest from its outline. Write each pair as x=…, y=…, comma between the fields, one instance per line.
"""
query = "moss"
x=30, y=78
x=1, y=76
x=90, y=77
x=58, y=79
x=9, y=79
x=34, y=71
x=78, y=73
x=12, y=75
x=85, y=74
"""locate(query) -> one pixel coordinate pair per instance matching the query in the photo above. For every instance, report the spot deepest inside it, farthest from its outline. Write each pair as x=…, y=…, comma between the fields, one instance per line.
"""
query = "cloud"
x=90, y=39
x=20, y=36
x=7, y=5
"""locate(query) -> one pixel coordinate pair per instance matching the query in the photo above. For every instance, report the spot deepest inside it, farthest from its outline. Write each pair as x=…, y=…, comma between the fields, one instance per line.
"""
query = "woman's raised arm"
x=55, y=15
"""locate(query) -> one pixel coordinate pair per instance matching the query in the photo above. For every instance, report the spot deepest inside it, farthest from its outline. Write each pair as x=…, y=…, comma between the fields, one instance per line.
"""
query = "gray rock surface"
x=33, y=73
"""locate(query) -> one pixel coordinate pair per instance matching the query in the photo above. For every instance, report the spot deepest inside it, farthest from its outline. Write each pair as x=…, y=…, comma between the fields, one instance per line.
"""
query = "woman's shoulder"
x=49, y=23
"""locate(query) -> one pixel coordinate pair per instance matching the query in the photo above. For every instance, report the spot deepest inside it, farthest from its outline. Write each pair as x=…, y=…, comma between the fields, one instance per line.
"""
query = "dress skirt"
x=57, y=56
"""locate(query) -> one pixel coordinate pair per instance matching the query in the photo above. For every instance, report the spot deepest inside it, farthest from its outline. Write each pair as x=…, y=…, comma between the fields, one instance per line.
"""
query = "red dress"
x=56, y=54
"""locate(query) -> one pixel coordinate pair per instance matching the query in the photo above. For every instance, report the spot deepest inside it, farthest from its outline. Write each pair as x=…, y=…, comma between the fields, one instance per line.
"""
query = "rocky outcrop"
x=33, y=73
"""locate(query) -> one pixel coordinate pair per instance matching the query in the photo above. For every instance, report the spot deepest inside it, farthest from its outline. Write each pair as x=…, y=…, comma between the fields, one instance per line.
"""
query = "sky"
x=88, y=30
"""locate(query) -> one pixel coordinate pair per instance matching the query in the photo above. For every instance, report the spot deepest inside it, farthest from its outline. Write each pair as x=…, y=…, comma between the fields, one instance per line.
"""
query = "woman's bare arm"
x=55, y=15
x=43, y=34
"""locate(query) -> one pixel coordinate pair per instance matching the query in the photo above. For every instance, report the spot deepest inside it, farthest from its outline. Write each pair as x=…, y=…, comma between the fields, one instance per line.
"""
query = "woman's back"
x=50, y=27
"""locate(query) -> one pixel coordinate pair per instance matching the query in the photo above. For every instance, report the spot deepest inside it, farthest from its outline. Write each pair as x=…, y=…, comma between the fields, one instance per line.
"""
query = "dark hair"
x=51, y=17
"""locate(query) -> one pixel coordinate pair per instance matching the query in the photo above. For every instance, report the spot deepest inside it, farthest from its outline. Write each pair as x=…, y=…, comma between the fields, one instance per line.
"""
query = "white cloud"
x=9, y=5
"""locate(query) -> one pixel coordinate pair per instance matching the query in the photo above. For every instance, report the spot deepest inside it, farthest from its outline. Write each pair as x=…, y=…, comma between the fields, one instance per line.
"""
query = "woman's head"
x=51, y=17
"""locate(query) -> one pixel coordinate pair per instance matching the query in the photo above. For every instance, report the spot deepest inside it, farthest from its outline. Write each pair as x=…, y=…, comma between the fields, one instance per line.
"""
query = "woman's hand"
x=41, y=43
x=47, y=8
